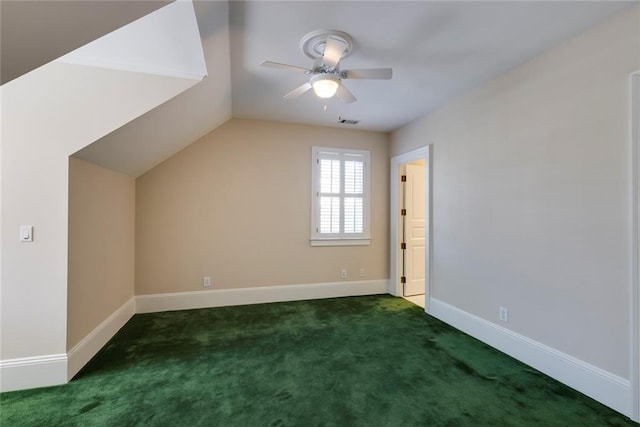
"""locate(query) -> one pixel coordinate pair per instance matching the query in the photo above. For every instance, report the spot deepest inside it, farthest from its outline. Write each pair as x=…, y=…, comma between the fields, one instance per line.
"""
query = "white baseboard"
x=258, y=295
x=603, y=386
x=82, y=352
x=33, y=372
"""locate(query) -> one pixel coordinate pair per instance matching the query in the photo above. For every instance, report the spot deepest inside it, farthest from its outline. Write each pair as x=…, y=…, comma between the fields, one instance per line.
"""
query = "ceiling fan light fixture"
x=325, y=85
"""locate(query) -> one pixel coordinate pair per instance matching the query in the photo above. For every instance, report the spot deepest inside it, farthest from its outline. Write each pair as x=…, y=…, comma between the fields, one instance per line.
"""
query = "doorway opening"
x=412, y=244
x=411, y=226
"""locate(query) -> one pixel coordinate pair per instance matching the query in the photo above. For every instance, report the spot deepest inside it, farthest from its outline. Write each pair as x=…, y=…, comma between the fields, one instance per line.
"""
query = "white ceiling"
x=438, y=50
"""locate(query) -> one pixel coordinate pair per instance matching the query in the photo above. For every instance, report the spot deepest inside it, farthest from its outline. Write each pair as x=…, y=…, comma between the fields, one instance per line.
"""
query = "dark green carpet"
x=366, y=361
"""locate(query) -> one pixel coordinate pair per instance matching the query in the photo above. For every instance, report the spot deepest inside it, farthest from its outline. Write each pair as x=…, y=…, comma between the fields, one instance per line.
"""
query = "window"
x=340, y=197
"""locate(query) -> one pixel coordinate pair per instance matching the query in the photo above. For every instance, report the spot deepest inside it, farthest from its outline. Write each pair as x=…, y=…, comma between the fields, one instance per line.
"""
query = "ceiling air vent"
x=348, y=121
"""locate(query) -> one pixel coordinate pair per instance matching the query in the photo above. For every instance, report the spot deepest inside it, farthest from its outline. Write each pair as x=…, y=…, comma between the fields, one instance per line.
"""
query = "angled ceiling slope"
x=155, y=136
x=166, y=42
x=33, y=33
x=97, y=88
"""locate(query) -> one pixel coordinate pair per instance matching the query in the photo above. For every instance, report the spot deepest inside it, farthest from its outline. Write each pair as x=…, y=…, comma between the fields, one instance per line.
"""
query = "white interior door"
x=415, y=230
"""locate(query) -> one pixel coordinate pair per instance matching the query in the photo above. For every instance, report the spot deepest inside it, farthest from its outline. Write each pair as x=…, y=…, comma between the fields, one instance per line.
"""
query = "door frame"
x=424, y=153
x=634, y=134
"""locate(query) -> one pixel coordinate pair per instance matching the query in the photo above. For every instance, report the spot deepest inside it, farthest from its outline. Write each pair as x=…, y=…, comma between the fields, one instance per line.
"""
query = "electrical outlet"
x=343, y=273
x=504, y=314
x=361, y=273
x=206, y=282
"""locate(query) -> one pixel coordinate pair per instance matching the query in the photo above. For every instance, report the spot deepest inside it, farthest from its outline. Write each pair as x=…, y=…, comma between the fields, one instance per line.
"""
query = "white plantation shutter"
x=340, y=199
x=329, y=215
x=354, y=194
x=353, y=215
x=329, y=176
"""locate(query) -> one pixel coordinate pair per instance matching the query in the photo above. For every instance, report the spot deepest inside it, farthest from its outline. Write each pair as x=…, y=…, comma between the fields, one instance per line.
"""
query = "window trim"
x=333, y=241
x=340, y=239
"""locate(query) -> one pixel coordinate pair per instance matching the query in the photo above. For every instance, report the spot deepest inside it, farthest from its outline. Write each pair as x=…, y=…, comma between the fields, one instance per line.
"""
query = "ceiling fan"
x=327, y=48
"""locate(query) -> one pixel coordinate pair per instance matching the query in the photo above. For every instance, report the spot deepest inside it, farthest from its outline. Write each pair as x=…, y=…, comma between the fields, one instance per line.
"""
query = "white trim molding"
x=424, y=153
x=634, y=136
x=603, y=386
x=82, y=352
x=33, y=372
x=257, y=295
x=339, y=242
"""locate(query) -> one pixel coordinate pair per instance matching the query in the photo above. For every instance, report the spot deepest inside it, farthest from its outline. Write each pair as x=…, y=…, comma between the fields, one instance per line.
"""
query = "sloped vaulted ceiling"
x=438, y=50
x=143, y=143
x=37, y=32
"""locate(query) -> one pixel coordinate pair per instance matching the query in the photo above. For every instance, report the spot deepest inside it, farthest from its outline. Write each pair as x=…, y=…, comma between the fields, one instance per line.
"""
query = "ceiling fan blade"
x=287, y=67
x=333, y=50
x=345, y=95
x=369, y=73
x=298, y=91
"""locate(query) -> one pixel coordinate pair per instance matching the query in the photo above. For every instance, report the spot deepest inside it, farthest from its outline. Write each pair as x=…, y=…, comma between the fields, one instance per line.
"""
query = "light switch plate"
x=26, y=233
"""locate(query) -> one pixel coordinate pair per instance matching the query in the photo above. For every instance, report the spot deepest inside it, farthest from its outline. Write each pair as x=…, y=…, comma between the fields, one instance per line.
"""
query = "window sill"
x=340, y=242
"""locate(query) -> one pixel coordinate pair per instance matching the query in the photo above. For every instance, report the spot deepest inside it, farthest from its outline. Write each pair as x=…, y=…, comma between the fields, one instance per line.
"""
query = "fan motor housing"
x=313, y=43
